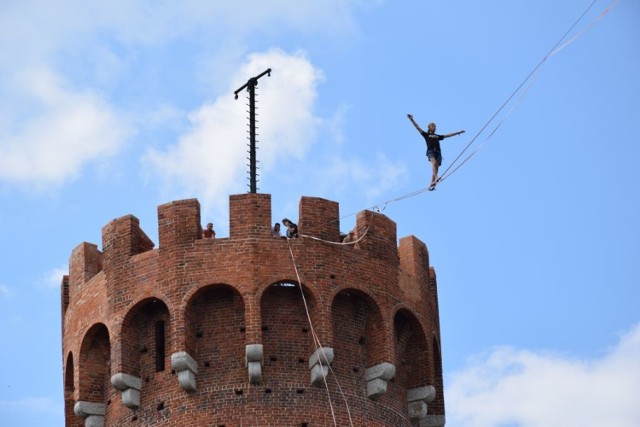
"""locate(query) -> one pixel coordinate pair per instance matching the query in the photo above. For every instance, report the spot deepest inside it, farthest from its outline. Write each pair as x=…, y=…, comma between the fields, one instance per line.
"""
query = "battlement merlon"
x=249, y=216
x=319, y=218
x=64, y=295
x=414, y=258
x=179, y=223
x=84, y=263
x=121, y=239
x=433, y=288
x=381, y=236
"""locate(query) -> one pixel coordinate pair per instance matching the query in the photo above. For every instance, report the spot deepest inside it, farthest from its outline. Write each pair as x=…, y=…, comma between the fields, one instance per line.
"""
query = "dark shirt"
x=433, y=141
x=292, y=231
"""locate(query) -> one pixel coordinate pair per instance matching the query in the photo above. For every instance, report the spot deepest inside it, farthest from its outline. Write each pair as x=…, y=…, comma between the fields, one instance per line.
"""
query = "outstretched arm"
x=453, y=134
x=414, y=123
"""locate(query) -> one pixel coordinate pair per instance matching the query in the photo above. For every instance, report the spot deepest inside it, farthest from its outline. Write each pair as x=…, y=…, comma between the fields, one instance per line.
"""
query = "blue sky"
x=111, y=108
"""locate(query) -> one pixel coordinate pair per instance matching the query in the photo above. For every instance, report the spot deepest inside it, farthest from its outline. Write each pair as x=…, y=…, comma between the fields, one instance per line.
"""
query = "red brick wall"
x=438, y=404
x=285, y=336
x=218, y=334
x=215, y=296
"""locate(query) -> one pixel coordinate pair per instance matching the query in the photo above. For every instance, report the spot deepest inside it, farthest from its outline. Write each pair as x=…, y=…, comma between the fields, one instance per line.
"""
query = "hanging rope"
x=319, y=346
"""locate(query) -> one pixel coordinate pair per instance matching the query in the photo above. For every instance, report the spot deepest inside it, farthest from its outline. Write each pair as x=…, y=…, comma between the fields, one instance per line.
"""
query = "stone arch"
x=215, y=331
x=287, y=282
x=411, y=349
x=286, y=334
x=144, y=333
x=94, y=365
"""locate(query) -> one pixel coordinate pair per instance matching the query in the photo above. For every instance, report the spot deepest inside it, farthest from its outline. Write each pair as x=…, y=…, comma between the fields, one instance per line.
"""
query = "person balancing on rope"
x=433, y=147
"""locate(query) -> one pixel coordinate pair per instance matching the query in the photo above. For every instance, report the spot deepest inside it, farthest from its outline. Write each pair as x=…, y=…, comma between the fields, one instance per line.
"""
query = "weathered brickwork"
x=226, y=332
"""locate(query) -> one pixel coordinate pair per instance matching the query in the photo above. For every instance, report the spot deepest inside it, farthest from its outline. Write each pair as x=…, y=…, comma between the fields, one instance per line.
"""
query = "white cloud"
x=51, y=127
x=4, y=291
x=511, y=387
x=52, y=278
x=147, y=21
x=210, y=159
x=35, y=31
x=373, y=179
x=62, y=131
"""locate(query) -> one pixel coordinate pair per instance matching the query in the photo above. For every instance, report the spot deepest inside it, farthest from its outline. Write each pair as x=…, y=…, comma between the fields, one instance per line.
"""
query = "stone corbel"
x=433, y=421
x=319, y=362
x=93, y=413
x=377, y=377
x=254, y=358
x=417, y=399
x=129, y=387
x=186, y=367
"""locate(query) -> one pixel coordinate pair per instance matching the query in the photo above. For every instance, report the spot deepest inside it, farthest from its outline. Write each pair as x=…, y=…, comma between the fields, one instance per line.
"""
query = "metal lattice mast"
x=250, y=85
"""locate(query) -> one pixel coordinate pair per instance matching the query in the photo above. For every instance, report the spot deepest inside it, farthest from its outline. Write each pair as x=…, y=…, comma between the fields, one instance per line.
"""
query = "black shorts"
x=432, y=154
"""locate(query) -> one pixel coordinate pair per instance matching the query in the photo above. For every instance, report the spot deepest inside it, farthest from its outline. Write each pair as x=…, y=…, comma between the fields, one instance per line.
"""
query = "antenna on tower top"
x=251, y=88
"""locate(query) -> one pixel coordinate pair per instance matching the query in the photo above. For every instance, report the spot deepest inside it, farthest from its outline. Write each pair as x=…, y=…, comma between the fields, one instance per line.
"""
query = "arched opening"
x=358, y=335
x=68, y=375
x=215, y=334
x=412, y=357
x=286, y=335
x=161, y=353
x=94, y=365
x=144, y=340
x=69, y=387
x=358, y=341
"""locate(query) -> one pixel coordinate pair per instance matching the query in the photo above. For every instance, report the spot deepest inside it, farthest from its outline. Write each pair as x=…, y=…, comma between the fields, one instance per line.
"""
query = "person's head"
x=210, y=226
x=286, y=222
x=431, y=127
x=276, y=226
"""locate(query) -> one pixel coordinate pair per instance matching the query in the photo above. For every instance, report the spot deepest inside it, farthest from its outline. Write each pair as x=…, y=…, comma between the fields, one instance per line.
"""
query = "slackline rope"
x=555, y=49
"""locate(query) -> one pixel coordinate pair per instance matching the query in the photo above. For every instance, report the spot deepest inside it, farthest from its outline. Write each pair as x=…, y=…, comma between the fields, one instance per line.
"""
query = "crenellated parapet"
x=206, y=323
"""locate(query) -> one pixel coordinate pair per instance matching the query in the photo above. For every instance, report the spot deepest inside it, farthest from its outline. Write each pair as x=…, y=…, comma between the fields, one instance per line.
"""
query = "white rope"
x=555, y=49
x=319, y=346
x=587, y=28
x=306, y=236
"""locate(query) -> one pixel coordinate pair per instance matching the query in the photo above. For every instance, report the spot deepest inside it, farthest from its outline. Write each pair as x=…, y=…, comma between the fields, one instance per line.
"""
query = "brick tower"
x=251, y=330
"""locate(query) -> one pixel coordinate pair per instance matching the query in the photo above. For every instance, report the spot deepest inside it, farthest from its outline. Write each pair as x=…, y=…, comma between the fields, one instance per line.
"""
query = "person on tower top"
x=275, y=231
x=433, y=147
x=209, y=232
x=292, y=229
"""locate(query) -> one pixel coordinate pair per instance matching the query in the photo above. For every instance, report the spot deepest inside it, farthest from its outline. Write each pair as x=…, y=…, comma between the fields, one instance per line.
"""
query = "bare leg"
x=434, y=174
